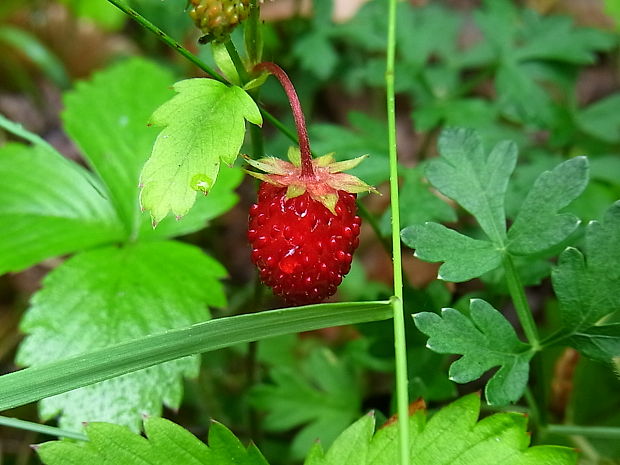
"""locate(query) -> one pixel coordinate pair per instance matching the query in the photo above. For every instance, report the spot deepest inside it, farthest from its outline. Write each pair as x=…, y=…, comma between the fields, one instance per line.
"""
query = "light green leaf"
x=538, y=225
x=166, y=444
x=350, y=448
x=49, y=206
x=107, y=118
x=109, y=295
x=598, y=342
x=323, y=399
x=203, y=125
x=475, y=180
x=452, y=436
x=221, y=199
x=486, y=340
x=465, y=258
x=587, y=287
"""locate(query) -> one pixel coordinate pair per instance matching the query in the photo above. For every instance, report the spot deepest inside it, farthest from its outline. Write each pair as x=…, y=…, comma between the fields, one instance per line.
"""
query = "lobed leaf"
x=475, y=180
x=538, y=225
x=204, y=124
x=485, y=340
x=454, y=436
x=598, y=342
x=322, y=399
x=587, y=286
x=464, y=258
x=166, y=443
x=121, y=293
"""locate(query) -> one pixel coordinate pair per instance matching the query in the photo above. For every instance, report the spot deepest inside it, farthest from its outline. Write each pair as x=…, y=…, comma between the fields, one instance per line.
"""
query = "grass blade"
x=38, y=382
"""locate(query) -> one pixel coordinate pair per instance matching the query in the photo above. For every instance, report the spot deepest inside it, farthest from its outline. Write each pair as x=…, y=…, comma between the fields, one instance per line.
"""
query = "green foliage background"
x=526, y=195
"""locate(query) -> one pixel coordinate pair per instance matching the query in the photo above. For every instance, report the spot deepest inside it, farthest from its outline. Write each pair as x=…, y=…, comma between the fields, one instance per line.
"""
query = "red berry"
x=302, y=250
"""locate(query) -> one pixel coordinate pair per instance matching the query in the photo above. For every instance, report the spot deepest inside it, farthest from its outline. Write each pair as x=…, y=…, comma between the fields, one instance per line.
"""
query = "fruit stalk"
x=302, y=133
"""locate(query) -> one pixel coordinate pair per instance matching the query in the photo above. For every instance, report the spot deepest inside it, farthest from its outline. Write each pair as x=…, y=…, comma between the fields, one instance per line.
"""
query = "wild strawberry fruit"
x=217, y=18
x=304, y=228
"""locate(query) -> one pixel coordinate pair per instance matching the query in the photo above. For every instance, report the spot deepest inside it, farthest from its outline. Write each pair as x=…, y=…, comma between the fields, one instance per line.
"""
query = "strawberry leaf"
x=323, y=399
x=486, y=340
x=166, y=443
x=204, y=124
x=49, y=206
x=452, y=436
x=107, y=118
x=587, y=286
x=123, y=293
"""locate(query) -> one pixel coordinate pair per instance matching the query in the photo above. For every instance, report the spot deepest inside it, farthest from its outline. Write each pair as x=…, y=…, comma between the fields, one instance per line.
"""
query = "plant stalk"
x=302, y=133
x=41, y=429
x=603, y=432
x=165, y=38
x=517, y=292
x=400, y=344
x=193, y=59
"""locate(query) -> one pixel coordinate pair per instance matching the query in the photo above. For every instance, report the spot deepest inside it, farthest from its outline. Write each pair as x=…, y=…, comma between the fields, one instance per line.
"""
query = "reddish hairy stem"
x=298, y=114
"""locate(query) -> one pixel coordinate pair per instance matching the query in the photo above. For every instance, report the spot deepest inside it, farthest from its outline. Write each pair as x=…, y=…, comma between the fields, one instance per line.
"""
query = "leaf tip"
x=35, y=447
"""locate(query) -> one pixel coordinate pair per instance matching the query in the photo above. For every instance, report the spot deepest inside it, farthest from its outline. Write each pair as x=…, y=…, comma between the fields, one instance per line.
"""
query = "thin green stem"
x=165, y=38
x=400, y=344
x=236, y=59
x=194, y=59
x=42, y=429
x=517, y=292
x=253, y=34
x=603, y=432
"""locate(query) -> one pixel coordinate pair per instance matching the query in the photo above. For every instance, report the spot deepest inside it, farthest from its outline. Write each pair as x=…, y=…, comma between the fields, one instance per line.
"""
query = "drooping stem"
x=298, y=114
x=400, y=344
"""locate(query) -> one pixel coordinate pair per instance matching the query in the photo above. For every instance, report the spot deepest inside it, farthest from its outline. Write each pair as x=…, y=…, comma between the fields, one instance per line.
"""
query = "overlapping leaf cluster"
x=586, y=287
x=453, y=435
x=126, y=279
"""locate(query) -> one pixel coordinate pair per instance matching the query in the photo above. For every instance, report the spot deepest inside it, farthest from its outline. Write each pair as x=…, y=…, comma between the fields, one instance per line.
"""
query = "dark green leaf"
x=109, y=295
x=587, y=287
x=465, y=258
x=475, y=180
x=49, y=206
x=486, y=340
x=323, y=400
x=598, y=342
x=368, y=136
x=538, y=225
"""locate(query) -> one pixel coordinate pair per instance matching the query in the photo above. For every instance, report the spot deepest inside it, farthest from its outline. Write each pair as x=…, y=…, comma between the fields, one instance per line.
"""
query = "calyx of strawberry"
x=322, y=184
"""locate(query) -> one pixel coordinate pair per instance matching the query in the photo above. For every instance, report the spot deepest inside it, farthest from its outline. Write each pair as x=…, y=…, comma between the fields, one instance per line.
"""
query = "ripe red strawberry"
x=303, y=229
